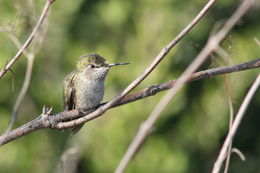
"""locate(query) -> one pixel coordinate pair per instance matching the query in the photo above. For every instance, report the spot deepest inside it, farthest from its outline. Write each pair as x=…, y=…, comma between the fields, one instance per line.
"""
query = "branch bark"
x=46, y=120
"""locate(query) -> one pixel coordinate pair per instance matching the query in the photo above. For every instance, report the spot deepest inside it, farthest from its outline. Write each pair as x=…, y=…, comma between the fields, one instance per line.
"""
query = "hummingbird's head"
x=95, y=66
x=92, y=60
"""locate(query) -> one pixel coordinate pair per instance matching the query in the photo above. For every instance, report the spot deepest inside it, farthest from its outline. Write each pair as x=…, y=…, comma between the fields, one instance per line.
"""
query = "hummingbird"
x=83, y=88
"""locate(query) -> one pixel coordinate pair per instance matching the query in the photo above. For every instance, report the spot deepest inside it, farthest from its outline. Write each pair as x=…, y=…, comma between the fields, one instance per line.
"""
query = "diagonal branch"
x=30, y=38
x=212, y=45
x=50, y=121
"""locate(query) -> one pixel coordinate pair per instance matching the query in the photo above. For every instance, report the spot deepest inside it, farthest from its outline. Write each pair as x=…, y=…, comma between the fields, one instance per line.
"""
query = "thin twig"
x=232, y=132
x=225, y=56
x=211, y=45
x=231, y=112
x=22, y=93
x=53, y=119
x=239, y=153
x=30, y=38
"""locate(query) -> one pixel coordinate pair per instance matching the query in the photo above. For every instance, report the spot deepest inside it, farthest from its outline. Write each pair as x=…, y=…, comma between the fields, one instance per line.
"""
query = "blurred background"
x=190, y=133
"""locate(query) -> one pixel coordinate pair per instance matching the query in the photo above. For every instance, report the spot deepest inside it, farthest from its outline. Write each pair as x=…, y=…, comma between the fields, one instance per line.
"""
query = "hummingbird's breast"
x=89, y=93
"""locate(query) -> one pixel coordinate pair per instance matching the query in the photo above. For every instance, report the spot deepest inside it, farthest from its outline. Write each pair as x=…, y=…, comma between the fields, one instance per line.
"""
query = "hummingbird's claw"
x=46, y=110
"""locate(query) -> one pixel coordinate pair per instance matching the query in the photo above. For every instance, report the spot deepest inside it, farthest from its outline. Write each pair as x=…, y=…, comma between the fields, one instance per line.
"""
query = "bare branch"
x=30, y=38
x=231, y=115
x=51, y=120
x=225, y=56
x=212, y=44
x=239, y=116
x=36, y=124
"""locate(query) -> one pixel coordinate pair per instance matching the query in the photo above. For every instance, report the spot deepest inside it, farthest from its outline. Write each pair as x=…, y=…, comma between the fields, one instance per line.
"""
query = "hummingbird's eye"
x=92, y=66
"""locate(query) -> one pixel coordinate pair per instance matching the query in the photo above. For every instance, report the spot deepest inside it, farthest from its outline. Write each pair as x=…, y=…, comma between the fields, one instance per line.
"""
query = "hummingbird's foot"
x=81, y=111
x=46, y=111
x=48, y=118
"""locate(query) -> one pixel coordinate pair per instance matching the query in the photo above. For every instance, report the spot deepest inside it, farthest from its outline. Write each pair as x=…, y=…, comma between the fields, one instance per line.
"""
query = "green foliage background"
x=188, y=136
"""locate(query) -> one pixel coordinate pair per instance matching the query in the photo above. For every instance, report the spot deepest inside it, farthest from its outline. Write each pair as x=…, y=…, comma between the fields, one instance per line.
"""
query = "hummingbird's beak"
x=114, y=64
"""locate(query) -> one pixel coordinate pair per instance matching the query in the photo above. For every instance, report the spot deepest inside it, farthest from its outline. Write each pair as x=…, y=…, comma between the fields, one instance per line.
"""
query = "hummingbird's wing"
x=70, y=97
x=69, y=92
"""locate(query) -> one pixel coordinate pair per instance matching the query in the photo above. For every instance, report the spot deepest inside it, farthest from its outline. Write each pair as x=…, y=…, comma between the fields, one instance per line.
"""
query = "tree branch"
x=212, y=45
x=46, y=120
x=30, y=38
